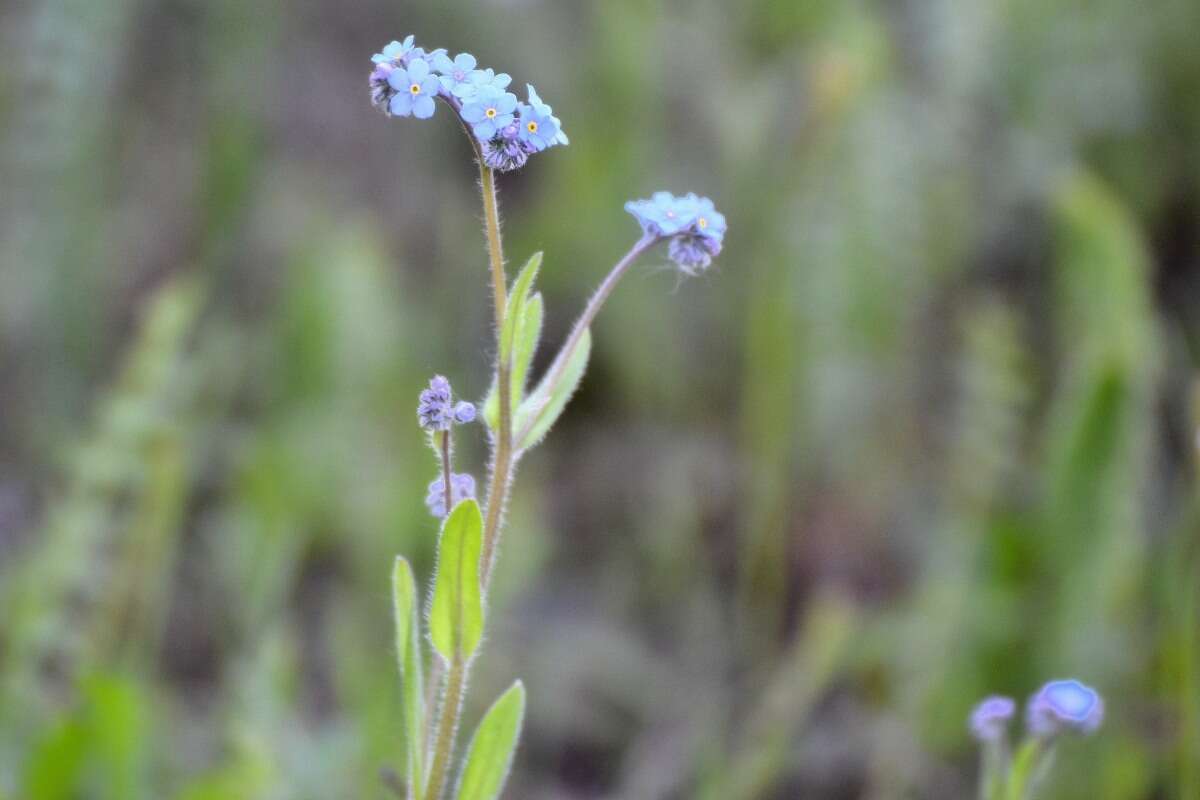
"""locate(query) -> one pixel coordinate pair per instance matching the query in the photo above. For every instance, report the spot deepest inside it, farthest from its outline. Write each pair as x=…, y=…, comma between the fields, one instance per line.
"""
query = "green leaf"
x=456, y=614
x=546, y=403
x=408, y=653
x=516, y=304
x=491, y=752
x=529, y=331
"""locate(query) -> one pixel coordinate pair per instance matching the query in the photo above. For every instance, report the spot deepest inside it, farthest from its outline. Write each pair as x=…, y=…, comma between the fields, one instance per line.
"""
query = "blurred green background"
x=927, y=430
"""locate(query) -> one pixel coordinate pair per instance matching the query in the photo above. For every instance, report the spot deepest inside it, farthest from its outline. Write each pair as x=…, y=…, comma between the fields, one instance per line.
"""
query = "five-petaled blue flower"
x=489, y=110
x=480, y=80
x=1064, y=706
x=455, y=72
x=394, y=52
x=538, y=127
x=415, y=89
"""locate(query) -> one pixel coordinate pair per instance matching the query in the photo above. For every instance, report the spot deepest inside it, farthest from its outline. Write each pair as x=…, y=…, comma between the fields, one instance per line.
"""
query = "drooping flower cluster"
x=1058, y=707
x=407, y=80
x=436, y=409
x=462, y=487
x=692, y=225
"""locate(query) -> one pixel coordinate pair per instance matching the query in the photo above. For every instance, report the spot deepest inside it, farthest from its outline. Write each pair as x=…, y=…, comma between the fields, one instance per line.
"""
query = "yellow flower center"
x=490, y=113
x=415, y=88
x=702, y=222
x=532, y=126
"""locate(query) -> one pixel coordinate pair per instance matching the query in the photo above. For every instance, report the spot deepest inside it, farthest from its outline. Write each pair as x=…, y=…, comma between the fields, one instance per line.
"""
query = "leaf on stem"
x=408, y=654
x=491, y=752
x=456, y=612
x=528, y=332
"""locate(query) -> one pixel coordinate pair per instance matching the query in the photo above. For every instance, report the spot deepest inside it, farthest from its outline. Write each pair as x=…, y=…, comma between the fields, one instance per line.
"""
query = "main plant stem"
x=452, y=700
x=498, y=487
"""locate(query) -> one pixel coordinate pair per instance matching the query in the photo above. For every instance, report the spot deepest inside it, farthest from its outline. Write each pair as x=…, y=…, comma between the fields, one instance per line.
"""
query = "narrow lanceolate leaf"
x=491, y=752
x=546, y=403
x=408, y=653
x=516, y=304
x=456, y=614
x=529, y=331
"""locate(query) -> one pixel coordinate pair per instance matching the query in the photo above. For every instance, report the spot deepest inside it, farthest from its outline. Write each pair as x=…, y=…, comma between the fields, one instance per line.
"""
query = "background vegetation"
x=926, y=431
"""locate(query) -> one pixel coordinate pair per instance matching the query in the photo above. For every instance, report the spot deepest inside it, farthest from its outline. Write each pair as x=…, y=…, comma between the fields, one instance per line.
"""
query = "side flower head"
x=1062, y=706
x=692, y=225
x=462, y=487
x=989, y=720
x=435, y=411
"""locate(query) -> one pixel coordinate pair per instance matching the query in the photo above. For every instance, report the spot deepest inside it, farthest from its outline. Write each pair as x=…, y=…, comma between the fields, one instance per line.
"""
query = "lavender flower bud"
x=506, y=151
x=464, y=412
x=990, y=718
x=462, y=487
x=381, y=91
x=435, y=411
x=1064, y=706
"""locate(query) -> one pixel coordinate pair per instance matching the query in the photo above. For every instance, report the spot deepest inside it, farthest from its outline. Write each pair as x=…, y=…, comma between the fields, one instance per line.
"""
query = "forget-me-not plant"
x=504, y=132
x=1059, y=707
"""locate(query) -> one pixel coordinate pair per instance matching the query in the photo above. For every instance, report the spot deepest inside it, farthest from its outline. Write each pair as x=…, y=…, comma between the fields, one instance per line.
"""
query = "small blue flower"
x=1064, y=706
x=480, y=80
x=538, y=127
x=415, y=89
x=462, y=487
x=394, y=52
x=662, y=215
x=489, y=111
x=454, y=72
x=990, y=718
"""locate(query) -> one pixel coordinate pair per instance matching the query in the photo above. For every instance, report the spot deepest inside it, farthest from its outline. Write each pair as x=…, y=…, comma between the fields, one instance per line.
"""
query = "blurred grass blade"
x=456, y=614
x=491, y=752
x=408, y=653
x=542, y=408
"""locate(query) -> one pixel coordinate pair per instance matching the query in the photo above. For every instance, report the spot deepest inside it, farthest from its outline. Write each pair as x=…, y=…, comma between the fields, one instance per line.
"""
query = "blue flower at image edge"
x=1064, y=706
x=489, y=111
x=415, y=89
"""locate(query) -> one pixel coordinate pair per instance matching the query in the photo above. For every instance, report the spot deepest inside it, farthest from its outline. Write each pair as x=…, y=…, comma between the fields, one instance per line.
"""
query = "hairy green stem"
x=499, y=486
x=501, y=481
x=452, y=700
x=449, y=495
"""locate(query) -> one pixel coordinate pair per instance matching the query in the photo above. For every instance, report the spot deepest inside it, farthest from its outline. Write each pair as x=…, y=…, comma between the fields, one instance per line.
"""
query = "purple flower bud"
x=1064, y=706
x=435, y=411
x=506, y=151
x=462, y=487
x=381, y=91
x=990, y=718
x=464, y=412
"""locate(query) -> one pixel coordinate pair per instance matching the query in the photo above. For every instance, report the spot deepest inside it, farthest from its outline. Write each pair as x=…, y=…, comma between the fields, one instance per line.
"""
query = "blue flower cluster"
x=694, y=227
x=1058, y=707
x=462, y=487
x=436, y=410
x=407, y=80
